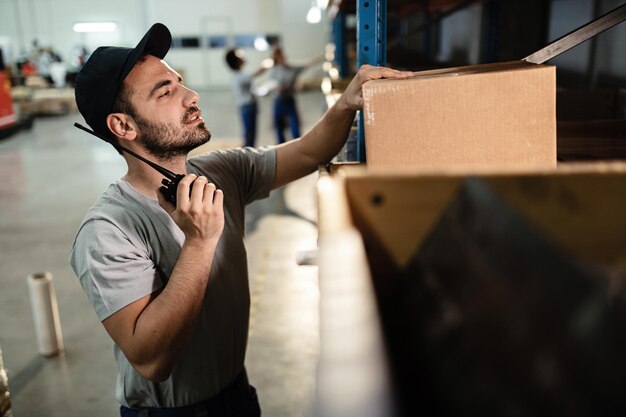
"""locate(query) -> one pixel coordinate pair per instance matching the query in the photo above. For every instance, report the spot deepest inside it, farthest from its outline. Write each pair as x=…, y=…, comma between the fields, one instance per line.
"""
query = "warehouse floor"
x=51, y=175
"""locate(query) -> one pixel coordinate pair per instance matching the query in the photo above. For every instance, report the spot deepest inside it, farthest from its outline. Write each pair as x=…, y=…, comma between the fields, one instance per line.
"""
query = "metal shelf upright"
x=372, y=49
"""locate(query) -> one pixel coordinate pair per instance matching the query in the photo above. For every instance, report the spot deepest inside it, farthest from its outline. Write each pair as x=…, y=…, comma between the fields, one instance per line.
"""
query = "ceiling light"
x=314, y=15
x=260, y=43
x=94, y=27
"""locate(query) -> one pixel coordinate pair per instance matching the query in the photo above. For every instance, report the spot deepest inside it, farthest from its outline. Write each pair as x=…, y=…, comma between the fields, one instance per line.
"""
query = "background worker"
x=285, y=107
x=244, y=94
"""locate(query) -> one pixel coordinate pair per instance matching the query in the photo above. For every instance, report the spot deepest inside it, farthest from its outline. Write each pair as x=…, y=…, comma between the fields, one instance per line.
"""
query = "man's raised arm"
x=319, y=145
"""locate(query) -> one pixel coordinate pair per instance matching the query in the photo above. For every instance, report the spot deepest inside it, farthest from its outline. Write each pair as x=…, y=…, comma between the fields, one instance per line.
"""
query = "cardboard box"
x=467, y=281
x=479, y=116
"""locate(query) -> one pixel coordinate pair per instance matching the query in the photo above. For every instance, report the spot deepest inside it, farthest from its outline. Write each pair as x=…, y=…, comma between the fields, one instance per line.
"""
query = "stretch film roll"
x=45, y=314
x=5, y=401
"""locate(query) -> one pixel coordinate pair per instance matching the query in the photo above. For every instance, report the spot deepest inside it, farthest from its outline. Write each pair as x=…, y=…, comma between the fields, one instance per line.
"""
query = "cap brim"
x=157, y=41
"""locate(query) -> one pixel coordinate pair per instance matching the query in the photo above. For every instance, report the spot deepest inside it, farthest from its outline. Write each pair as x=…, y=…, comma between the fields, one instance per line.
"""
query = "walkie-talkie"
x=171, y=180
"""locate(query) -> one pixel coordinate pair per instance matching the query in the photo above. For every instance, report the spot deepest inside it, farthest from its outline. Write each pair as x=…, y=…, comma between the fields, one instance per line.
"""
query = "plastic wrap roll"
x=5, y=401
x=45, y=314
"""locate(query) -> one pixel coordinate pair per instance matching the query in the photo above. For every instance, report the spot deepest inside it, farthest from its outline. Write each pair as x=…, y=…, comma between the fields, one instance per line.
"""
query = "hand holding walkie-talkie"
x=210, y=224
x=171, y=180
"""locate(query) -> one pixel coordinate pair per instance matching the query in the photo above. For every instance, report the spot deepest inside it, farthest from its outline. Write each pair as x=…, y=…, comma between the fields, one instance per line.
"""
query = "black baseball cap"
x=99, y=80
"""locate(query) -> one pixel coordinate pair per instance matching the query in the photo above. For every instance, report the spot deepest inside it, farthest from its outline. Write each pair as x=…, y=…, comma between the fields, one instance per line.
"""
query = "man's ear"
x=122, y=125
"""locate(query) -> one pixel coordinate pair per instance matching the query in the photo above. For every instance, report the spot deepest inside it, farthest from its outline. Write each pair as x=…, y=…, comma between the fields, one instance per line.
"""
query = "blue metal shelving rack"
x=339, y=32
x=371, y=36
x=372, y=48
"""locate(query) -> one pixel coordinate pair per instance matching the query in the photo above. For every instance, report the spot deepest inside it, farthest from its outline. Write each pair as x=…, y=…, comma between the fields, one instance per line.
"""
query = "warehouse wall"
x=50, y=22
x=460, y=34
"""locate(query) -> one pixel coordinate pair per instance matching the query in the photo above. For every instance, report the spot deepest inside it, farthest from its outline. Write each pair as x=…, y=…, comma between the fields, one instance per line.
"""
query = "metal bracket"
x=578, y=36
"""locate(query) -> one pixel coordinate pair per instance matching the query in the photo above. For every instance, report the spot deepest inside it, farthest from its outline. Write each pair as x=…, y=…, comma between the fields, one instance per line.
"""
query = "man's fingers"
x=392, y=73
x=197, y=188
x=375, y=73
x=209, y=190
x=353, y=96
x=218, y=198
x=182, y=191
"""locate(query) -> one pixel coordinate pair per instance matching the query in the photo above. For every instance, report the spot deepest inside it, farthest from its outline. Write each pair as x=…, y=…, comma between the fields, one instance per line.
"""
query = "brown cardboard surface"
x=479, y=116
x=576, y=207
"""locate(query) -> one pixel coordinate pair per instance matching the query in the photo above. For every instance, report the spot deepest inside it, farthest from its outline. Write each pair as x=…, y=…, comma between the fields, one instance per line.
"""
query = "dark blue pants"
x=239, y=399
x=248, y=117
x=285, y=109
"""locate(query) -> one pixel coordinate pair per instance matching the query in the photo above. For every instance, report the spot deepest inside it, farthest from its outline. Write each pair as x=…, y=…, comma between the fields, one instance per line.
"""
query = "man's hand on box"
x=352, y=97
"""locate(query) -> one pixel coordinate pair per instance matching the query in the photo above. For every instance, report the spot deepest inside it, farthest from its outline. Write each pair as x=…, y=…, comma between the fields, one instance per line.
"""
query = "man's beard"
x=166, y=141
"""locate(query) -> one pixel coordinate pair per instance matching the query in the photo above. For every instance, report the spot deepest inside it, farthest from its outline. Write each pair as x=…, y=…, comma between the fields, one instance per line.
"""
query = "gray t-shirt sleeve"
x=258, y=168
x=112, y=271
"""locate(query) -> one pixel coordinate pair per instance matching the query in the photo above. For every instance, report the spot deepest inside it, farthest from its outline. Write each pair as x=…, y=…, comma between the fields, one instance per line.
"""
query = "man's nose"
x=191, y=97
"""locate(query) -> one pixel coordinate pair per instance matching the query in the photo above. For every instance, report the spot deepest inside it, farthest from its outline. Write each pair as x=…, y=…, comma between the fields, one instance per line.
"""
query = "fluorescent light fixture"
x=260, y=43
x=94, y=27
x=314, y=15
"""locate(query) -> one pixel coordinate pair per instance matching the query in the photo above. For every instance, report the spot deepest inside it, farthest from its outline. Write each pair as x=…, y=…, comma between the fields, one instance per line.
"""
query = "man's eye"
x=165, y=93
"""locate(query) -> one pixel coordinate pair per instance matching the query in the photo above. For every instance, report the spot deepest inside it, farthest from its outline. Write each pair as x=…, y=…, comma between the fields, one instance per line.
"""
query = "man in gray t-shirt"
x=165, y=266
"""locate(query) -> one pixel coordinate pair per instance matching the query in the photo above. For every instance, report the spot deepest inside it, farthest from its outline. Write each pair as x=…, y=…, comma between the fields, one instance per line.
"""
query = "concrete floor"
x=51, y=175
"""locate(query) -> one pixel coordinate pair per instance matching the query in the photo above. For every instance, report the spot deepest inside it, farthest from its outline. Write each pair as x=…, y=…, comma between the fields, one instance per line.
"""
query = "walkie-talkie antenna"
x=166, y=172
